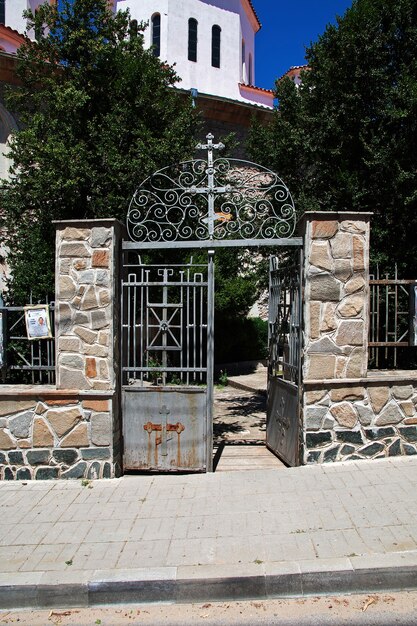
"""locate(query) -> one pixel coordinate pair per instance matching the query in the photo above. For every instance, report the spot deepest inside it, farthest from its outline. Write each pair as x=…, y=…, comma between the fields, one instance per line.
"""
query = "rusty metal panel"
x=165, y=429
x=282, y=424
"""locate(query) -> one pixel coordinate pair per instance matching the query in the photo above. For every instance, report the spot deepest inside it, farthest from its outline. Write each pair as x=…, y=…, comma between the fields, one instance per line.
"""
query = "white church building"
x=211, y=43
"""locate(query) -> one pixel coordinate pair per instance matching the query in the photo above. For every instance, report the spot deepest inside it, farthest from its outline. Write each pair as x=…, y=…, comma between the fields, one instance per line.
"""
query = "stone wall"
x=347, y=413
x=47, y=434
x=87, y=304
x=371, y=417
x=336, y=295
x=73, y=430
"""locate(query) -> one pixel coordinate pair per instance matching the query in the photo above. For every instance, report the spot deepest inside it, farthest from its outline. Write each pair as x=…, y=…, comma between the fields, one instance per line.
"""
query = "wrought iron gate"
x=284, y=366
x=168, y=310
x=167, y=355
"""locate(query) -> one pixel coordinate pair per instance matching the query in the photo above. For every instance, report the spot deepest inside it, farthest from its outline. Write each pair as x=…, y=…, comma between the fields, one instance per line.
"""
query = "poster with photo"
x=38, y=325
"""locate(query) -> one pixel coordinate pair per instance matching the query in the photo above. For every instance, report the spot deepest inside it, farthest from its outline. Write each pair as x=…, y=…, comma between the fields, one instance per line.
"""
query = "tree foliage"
x=345, y=140
x=98, y=115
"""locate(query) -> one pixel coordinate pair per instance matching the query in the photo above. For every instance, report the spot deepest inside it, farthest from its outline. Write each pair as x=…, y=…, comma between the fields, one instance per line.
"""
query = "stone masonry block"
x=351, y=306
x=312, y=397
x=90, y=367
x=324, y=346
x=66, y=288
x=324, y=229
x=408, y=408
x=344, y=414
x=77, y=438
x=80, y=234
x=314, y=417
x=353, y=226
x=64, y=318
x=325, y=288
x=72, y=379
x=358, y=253
x=101, y=258
x=321, y=366
x=391, y=414
x=89, y=300
x=99, y=320
x=314, y=309
x=350, y=333
x=100, y=236
x=87, y=277
x=9, y=407
x=320, y=255
x=378, y=397
x=341, y=246
x=74, y=250
x=73, y=361
x=343, y=269
x=96, y=405
x=20, y=424
x=101, y=429
x=356, y=365
x=357, y=283
x=87, y=335
x=42, y=436
x=69, y=344
x=328, y=321
x=338, y=394
x=63, y=420
x=104, y=297
x=402, y=392
x=6, y=442
x=96, y=350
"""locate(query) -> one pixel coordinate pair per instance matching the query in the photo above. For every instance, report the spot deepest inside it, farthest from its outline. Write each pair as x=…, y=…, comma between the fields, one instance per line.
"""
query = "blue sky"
x=287, y=28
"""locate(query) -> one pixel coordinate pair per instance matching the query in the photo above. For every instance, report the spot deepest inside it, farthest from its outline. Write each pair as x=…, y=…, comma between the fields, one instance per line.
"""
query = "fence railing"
x=23, y=360
x=392, y=321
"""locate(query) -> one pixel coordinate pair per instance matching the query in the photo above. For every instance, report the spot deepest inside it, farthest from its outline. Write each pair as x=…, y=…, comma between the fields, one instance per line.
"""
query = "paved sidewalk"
x=331, y=528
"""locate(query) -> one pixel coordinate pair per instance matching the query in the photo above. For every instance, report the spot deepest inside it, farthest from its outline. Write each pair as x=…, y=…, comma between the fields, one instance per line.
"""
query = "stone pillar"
x=87, y=301
x=336, y=295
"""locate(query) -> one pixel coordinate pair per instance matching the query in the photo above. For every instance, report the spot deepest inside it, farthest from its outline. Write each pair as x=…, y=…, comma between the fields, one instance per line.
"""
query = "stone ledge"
x=382, y=378
x=49, y=391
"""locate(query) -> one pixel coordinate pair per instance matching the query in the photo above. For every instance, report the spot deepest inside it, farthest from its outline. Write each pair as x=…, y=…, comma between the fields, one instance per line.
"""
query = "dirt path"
x=238, y=415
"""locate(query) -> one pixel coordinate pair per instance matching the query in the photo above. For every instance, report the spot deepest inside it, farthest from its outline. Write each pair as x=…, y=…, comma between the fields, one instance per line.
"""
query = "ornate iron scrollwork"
x=208, y=200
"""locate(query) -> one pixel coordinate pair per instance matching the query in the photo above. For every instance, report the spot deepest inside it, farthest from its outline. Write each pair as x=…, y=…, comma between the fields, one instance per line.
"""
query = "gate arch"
x=168, y=309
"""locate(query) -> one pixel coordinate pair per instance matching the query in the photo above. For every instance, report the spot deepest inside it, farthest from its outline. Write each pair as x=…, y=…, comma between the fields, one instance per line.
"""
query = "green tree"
x=98, y=115
x=345, y=140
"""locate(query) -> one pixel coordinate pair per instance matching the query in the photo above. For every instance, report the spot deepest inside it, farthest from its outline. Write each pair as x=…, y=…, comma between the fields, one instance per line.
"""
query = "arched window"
x=192, y=39
x=250, y=76
x=156, y=34
x=2, y=12
x=215, y=45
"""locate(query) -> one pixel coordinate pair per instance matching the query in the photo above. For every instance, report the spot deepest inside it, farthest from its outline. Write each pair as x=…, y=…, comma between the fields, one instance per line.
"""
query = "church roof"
x=251, y=13
x=254, y=12
x=12, y=36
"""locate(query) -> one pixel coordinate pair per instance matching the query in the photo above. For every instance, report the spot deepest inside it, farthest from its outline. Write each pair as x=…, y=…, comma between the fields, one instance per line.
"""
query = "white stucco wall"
x=14, y=12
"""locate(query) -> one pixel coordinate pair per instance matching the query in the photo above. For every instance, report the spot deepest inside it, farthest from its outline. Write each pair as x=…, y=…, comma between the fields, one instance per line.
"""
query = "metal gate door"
x=284, y=368
x=167, y=356
x=167, y=328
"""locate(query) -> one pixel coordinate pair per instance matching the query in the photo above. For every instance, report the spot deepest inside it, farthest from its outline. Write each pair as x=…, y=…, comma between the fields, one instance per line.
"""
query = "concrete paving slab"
x=255, y=534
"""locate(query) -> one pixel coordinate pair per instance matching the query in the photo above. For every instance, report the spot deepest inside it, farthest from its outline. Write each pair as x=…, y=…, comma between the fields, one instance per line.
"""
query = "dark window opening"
x=192, y=39
x=2, y=12
x=156, y=34
x=215, y=45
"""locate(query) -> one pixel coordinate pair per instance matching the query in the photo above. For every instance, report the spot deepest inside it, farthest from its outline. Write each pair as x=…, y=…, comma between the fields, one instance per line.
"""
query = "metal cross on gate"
x=211, y=190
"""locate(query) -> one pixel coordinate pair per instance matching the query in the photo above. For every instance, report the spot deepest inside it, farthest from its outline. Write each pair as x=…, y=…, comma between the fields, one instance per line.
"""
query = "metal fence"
x=23, y=360
x=393, y=321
